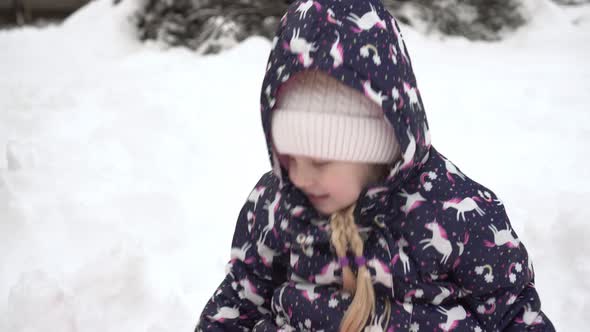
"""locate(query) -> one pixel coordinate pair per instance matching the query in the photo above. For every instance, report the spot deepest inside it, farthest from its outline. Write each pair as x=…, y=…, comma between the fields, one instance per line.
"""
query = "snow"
x=123, y=166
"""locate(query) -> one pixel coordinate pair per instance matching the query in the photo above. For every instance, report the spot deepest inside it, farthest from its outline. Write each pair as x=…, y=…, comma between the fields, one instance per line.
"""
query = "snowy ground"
x=123, y=166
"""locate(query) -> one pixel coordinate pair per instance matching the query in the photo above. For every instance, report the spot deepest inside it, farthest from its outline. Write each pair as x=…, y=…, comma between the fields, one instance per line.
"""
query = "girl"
x=362, y=224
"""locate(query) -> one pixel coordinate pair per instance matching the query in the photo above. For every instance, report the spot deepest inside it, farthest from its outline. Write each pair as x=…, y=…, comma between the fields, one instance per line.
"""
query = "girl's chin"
x=325, y=209
x=322, y=207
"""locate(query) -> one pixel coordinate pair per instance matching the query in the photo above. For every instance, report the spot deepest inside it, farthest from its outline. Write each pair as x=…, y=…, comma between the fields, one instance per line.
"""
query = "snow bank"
x=123, y=166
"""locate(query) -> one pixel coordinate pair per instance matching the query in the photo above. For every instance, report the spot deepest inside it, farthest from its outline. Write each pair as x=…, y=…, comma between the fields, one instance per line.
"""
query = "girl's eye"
x=321, y=164
x=317, y=164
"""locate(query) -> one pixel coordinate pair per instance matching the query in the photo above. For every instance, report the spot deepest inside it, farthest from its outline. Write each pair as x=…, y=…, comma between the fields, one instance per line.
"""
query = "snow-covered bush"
x=571, y=2
x=207, y=26
x=474, y=19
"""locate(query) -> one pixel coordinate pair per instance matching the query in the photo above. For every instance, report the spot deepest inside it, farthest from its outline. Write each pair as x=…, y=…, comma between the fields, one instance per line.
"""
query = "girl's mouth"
x=317, y=198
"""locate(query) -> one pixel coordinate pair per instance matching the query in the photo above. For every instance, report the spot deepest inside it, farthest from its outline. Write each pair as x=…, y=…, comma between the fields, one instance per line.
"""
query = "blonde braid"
x=363, y=302
x=340, y=242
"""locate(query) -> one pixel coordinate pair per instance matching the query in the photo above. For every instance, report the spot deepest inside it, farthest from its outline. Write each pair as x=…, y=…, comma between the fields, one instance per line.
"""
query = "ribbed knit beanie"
x=319, y=117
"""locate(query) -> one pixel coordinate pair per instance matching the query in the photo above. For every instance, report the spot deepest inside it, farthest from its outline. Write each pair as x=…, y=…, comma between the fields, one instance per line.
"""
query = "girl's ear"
x=284, y=160
x=384, y=171
x=379, y=172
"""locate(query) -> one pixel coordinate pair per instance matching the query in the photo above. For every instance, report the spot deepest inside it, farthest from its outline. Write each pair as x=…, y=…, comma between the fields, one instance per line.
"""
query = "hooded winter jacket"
x=439, y=246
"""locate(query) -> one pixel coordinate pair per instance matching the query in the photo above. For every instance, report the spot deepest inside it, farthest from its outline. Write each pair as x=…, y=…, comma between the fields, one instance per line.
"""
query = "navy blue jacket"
x=439, y=245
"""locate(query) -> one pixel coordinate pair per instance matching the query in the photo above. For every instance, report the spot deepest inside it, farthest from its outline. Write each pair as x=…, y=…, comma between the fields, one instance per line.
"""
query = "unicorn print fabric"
x=439, y=246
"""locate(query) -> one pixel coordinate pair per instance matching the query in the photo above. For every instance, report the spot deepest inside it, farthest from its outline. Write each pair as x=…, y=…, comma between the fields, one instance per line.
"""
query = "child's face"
x=329, y=185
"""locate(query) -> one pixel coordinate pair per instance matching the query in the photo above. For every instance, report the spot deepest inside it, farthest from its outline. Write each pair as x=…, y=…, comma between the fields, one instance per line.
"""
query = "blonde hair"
x=344, y=235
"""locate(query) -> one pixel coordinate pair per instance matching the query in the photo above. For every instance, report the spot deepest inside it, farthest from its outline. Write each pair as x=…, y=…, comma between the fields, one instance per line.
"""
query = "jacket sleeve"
x=495, y=275
x=256, y=268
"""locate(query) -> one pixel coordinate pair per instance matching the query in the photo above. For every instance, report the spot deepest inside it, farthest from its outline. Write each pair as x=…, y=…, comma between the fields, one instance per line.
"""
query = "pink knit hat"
x=319, y=117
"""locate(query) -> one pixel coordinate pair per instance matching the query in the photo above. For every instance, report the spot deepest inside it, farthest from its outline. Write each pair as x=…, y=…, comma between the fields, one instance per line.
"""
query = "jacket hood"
x=359, y=43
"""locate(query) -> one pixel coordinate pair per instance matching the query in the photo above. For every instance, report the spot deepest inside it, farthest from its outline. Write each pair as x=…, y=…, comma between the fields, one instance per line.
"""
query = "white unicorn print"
x=400, y=41
x=251, y=217
x=461, y=245
x=367, y=21
x=373, y=192
x=395, y=95
x=327, y=276
x=332, y=17
x=293, y=259
x=238, y=253
x=427, y=139
x=376, y=96
x=272, y=209
x=452, y=170
x=255, y=195
x=439, y=241
x=410, y=151
x=302, y=48
x=336, y=52
x=463, y=205
x=414, y=293
x=297, y=211
x=530, y=317
x=224, y=313
x=271, y=100
x=412, y=94
x=412, y=201
x=308, y=291
x=280, y=70
x=486, y=196
x=250, y=293
x=502, y=237
x=393, y=53
x=401, y=255
x=305, y=6
x=444, y=293
x=395, y=169
x=382, y=272
x=266, y=253
x=408, y=307
x=454, y=315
